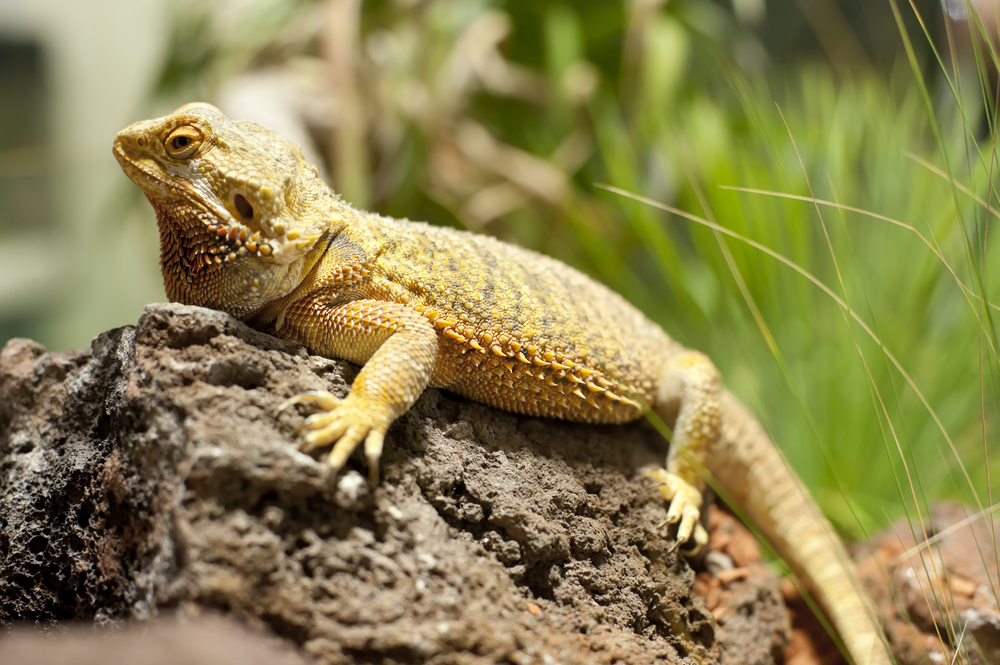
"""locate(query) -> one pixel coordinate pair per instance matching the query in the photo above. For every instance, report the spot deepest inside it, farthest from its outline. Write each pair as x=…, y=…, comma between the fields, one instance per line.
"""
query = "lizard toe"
x=321, y=398
x=373, y=452
x=693, y=546
x=327, y=432
x=345, y=445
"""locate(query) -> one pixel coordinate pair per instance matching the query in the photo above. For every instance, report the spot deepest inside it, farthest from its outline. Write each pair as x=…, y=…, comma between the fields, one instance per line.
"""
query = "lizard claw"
x=685, y=510
x=698, y=540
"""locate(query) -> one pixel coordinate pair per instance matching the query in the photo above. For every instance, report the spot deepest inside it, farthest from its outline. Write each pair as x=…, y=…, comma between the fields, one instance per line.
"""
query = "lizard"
x=248, y=226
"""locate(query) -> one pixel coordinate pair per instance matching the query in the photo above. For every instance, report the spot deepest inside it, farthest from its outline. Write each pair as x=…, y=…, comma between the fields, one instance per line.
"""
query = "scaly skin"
x=247, y=227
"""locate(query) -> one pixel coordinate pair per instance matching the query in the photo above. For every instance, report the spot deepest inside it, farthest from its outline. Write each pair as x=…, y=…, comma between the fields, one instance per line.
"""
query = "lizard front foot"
x=685, y=509
x=346, y=423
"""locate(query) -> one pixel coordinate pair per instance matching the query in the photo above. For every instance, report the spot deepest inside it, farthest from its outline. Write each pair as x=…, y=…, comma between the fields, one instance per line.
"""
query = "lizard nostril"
x=243, y=207
x=140, y=141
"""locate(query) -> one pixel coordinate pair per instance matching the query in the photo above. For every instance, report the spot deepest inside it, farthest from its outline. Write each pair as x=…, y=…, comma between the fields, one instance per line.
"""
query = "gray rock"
x=149, y=474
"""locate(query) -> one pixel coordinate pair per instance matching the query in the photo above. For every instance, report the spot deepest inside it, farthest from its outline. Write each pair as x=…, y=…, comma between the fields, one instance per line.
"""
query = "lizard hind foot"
x=685, y=511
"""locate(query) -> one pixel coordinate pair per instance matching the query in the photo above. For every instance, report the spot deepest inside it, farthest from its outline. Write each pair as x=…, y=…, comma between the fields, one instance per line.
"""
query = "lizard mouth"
x=148, y=179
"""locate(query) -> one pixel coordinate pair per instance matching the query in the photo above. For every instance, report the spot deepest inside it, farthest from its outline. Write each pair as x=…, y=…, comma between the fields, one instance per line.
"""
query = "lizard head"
x=238, y=207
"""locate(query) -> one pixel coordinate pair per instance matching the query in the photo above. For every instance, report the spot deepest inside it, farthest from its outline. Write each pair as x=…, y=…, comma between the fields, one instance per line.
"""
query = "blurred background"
x=503, y=118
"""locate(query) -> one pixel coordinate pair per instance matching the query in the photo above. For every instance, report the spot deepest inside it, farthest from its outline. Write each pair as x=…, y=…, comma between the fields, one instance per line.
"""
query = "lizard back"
x=517, y=329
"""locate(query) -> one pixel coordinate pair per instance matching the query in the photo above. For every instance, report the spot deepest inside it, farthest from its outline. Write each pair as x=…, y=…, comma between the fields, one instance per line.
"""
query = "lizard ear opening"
x=243, y=207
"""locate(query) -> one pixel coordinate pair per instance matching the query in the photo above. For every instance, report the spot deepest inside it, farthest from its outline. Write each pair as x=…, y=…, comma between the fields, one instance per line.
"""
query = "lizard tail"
x=748, y=466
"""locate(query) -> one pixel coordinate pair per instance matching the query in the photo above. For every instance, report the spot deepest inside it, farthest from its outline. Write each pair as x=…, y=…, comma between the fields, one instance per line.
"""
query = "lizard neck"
x=191, y=274
x=199, y=269
x=340, y=267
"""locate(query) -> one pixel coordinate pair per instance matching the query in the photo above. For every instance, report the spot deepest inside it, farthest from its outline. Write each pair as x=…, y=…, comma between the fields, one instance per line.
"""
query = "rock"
x=944, y=588
x=810, y=643
x=740, y=592
x=149, y=474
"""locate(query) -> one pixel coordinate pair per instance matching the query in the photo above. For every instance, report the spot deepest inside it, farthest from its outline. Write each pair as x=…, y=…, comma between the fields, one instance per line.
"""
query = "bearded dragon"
x=248, y=227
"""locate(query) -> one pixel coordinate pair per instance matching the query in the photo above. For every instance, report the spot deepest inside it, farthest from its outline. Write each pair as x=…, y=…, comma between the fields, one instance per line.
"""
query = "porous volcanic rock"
x=150, y=475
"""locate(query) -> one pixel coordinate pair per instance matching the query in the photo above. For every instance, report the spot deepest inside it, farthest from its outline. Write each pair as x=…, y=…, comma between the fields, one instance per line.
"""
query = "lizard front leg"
x=688, y=396
x=397, y=347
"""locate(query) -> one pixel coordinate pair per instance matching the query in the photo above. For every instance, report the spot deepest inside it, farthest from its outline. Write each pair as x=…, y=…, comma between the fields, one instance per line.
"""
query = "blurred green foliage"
x=502, y=116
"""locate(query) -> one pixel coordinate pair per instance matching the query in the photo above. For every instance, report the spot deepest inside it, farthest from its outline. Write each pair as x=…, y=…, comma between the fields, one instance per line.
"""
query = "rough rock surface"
x=149, y=474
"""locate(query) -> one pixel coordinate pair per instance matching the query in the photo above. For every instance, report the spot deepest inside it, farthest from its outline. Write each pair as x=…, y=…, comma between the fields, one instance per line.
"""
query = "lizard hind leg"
x=688, y=399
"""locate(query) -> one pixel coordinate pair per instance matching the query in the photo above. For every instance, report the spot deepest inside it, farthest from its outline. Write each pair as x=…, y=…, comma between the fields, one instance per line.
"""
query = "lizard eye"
x=183, y=142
